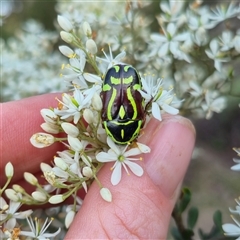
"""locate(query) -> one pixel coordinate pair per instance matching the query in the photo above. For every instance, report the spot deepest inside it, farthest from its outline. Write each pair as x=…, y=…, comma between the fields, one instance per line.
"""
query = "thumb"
x=141, y=206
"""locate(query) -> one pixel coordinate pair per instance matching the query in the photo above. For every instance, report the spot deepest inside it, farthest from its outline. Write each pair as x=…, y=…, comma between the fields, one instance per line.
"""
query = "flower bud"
x=106, y=194
x=45, y=167
x=69, y=218
x=9, y=170
x=88, y=115
x=97, y=102
x=64, y=23
x=66, y=37
x=60, y=163
x=70, y=129
x=41, y=140
x=87, y=29
x=30, y=178
x=12, y=195
x=50, y=128
x=75, y=143
x=48, y=115
x=39, y=196
x=56, y=199
x=18, y=188
x=66, y=51
x=91, y=46
x=87, y=172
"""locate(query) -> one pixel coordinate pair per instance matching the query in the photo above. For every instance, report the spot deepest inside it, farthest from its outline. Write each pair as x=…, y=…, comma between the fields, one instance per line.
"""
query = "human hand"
x=141, y=206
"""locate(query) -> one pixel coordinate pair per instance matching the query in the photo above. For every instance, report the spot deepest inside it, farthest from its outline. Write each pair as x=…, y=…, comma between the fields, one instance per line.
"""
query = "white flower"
x=215, y=54
x=160, y=99
x=214, y=103
x=170, y=41
x=232, y=230
x=222, y=12
x=38, y=230
x=109, y=61
x=10, y=211
x=73, y=105
x=227, y=41
x=122, y=158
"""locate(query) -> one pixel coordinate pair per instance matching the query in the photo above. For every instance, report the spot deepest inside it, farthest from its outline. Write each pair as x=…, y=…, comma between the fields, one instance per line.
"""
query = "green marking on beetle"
x=136, y=86
x=122, y=112
x=115, y=81
x=106, y=87
x=114, y=94
x=127, y=80
x=133, y=103
x=122, y=123
x=122, y=133
x=126, y=68
x=116, y=68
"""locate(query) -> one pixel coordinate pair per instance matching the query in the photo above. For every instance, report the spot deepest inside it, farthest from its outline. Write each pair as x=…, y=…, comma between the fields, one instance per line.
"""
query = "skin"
x=141, y=206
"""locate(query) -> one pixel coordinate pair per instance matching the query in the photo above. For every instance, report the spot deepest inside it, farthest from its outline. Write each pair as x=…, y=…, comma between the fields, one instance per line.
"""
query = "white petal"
x=231, y=229
x=156, y=111
x=135, y=168
x=143, y=148
x=104, y=157
x=116, y=174
x=169, y=109
x=236, y=167
x=112, y=145
x=132, y=152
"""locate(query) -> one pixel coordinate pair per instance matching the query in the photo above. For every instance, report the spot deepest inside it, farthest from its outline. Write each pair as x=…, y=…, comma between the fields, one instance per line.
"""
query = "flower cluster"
x=27, y=68
x=78, y=117
x=197, y=61
x=10, y=213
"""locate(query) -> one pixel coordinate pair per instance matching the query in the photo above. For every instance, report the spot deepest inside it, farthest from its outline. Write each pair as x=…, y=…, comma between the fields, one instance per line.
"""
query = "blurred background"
x=31, y=64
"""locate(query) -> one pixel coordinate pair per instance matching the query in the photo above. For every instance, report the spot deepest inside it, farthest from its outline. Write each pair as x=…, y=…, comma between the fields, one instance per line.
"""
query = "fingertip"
x=171, y=142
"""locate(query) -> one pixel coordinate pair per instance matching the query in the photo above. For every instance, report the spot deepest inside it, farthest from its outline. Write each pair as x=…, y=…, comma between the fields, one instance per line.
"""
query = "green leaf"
x=184, y=200
x=192, y=217
x=217, y=219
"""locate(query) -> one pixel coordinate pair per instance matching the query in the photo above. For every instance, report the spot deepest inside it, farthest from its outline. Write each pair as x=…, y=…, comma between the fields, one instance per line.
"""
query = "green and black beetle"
x=123, y=112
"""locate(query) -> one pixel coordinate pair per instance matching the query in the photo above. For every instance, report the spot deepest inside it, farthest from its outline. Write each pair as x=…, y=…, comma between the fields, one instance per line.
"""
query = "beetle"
x=123, y=113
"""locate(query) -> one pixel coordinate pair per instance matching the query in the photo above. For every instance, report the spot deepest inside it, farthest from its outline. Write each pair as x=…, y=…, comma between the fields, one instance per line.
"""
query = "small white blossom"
x=10, y=211
x=170, y=42
x=122, y=158
x=66, y=37
x=73, y=105
x=215, y=54
x=109, y=61
x=222, y=12
x=213, y=103
x=38, y=230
